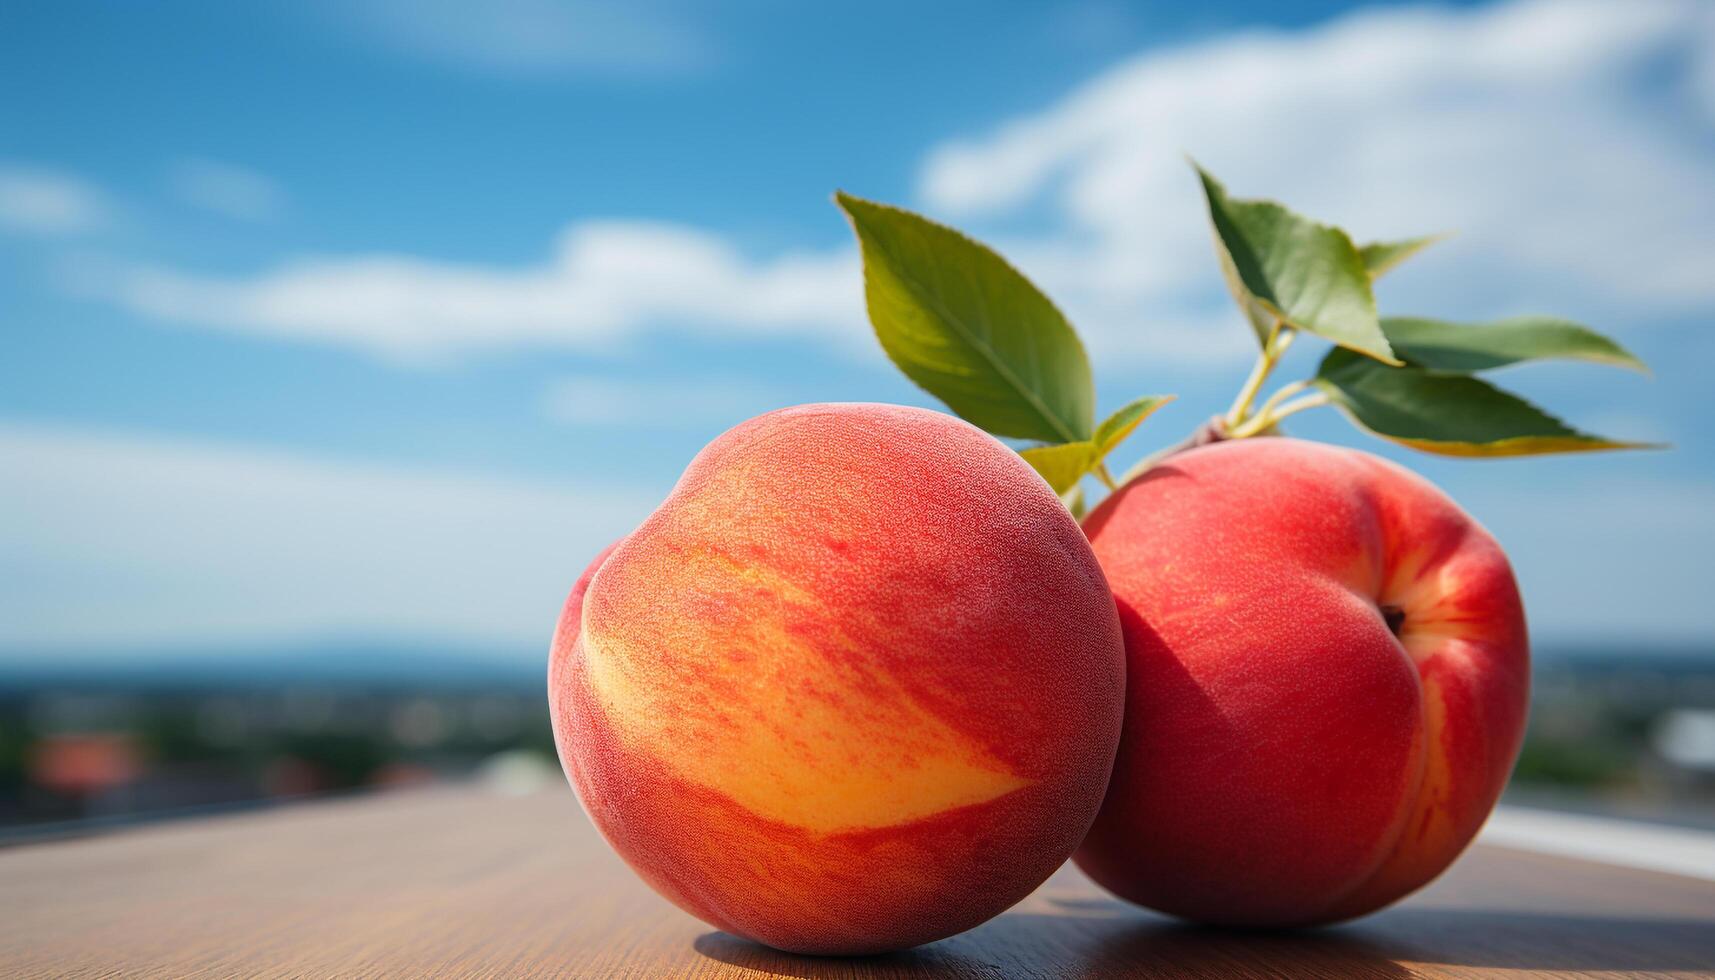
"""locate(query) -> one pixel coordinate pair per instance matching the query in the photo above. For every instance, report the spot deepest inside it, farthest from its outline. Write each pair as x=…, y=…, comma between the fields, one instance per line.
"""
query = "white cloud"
x=125, y=542
x=1560, y=138
x=535, y=36
x=226, y=189
x=49, y=203
x=605, y=282
x=1544, y=131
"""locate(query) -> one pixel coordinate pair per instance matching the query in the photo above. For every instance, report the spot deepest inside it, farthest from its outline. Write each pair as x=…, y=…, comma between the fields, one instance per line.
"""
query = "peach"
x=855, y=686
x=1327, y=675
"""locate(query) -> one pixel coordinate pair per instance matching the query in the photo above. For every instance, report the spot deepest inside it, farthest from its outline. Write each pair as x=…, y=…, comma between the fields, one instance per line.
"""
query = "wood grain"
x=466, y=882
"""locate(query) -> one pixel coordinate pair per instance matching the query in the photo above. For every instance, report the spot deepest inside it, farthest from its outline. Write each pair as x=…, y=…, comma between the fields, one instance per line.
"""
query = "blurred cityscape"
x=94, y=747
x=1630, y=735
x=1633, y=735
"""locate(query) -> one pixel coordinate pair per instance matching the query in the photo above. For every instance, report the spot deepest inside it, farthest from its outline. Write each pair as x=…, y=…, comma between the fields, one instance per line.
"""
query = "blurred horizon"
x=360, y=662
x=370, y=323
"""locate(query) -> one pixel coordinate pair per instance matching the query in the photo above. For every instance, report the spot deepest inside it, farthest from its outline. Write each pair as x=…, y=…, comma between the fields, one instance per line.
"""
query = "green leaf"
x=1448, y=414
x=1062, y=465
x=1284, y=268
x=969, y=329
x=1462, y=348
x=1380, y=257
x=1122, y=423
x=1074, y=501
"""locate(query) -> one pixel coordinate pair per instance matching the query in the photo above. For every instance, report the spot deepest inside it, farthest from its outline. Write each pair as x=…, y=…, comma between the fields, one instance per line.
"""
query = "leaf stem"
x=1286, y=391
x=1262, y=421
x=1107, y=478
x=1277, y=344
x=1315, y=400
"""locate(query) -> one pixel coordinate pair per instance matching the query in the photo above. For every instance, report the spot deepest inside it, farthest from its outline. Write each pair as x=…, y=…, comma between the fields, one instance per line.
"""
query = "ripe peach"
x=1327, y=675
x=855, y=686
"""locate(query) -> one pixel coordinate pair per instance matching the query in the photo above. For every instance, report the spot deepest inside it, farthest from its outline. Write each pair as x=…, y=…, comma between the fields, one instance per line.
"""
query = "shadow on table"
x=1027, y=945
x=1100, y=938
x=924, y=961
x=1510, y=939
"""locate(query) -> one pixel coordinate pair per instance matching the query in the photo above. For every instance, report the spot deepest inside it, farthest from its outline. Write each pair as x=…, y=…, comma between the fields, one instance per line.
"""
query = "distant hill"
x=405, y=665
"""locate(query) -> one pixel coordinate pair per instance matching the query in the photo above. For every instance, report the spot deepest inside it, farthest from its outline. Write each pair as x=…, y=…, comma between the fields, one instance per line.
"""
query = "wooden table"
x=464, y=881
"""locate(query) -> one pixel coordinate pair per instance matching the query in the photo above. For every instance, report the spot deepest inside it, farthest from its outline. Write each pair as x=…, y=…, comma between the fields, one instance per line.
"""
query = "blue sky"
x=375, y=319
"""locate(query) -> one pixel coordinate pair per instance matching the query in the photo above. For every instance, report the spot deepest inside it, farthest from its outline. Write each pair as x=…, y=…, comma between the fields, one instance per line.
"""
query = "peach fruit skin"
x=855, y=686
x=1286, y=760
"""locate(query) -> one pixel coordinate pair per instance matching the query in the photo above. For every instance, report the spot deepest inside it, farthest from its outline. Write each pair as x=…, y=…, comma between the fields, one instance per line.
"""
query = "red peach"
x=855, y=686
x=1327, y=679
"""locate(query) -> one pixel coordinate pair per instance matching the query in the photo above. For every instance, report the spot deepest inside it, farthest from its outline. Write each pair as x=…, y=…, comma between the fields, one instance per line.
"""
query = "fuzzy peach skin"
x=1287, y=759
x=855, y=686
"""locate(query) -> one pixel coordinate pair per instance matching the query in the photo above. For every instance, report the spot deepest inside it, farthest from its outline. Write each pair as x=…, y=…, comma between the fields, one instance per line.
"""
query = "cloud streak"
x=119, y=542
x=604, y=283
x=46, y=202
x=226, y=189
